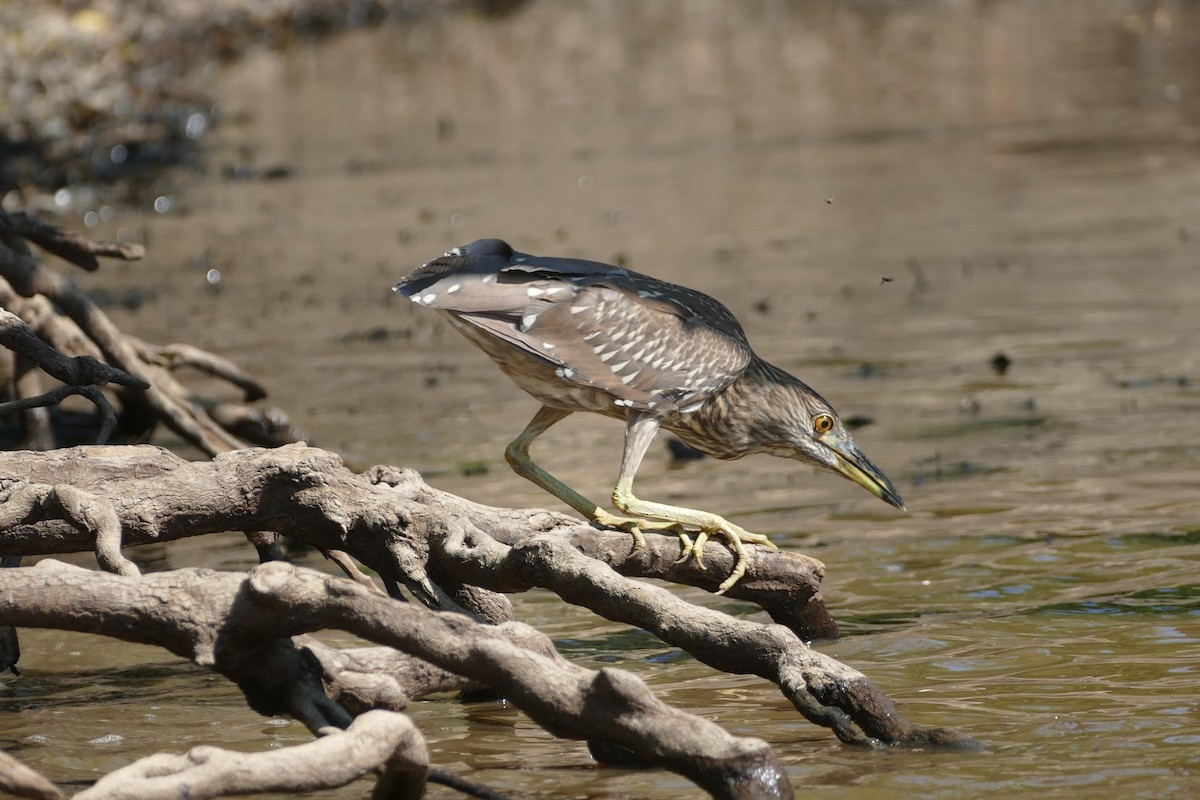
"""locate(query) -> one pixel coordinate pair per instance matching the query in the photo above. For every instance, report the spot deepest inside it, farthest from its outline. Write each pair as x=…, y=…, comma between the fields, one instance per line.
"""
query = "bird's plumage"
x=584, y=336
x=646, y=344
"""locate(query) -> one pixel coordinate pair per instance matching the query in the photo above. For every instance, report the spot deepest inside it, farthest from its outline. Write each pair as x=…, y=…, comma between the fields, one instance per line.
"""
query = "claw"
x=734, y=577
x=688, y=548
x=639, y=540
x=735, y=537
x=698, y=548
x=631, y=525
x=739, y=568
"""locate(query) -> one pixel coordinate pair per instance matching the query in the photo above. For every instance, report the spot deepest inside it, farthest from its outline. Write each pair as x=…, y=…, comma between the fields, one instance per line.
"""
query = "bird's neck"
x=757, y=413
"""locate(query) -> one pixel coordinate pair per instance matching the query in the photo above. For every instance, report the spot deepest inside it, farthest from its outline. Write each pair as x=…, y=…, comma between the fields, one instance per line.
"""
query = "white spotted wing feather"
x=649, y=344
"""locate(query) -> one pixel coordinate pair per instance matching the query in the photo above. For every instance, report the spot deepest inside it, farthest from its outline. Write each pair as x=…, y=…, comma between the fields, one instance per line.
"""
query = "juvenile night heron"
x=584, y=336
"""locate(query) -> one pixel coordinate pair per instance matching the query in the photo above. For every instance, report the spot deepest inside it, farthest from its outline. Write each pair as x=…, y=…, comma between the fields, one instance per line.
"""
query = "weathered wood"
x=375, y=739
x=67, y=321
x=82, y=375
x=239, y=625
x=409, y=533
x=386, y=518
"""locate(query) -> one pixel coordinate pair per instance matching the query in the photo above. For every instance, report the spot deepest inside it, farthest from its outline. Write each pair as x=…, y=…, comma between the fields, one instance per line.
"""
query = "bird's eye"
x=822, y=423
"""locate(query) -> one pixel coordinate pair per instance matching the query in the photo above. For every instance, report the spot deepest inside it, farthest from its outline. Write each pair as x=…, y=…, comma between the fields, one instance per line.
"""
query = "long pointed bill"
x=853, y=465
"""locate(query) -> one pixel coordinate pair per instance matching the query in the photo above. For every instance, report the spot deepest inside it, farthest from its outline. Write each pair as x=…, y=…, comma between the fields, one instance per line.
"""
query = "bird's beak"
x=852, y=464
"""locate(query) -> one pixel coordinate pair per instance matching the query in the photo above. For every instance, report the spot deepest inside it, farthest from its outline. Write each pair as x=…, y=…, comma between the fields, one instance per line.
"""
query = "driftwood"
x=339, y=757
x=82, y=375
x=66, y=321
x=451, y=554
x=456, y=558
x=50, y=329
x=237, y=624
x=387, y=518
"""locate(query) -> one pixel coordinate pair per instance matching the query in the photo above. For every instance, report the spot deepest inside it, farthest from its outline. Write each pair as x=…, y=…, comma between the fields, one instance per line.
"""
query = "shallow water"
x=1026, y=176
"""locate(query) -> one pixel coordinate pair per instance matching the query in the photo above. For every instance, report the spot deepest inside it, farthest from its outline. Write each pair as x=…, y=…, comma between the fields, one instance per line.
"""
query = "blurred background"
x=972, y=225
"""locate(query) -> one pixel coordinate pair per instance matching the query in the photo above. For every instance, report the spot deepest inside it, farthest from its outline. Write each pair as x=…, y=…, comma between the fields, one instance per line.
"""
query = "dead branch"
x=236, y=623
x=25, y=504
x=386, y=518
x=29, y=385
x=21, y=781
x=29, y=289
x=175, y=356
x=264, y=427
x=66, y=245
x=436, y=544
x=335, y=759
x=78, y=371
x=165, y=395
x=82, y=375
x=823, y=689
x=362, y=678
x=43, y=318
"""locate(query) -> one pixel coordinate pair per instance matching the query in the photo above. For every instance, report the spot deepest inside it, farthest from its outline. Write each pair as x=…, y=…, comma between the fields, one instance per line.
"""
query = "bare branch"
x=351, y=570
x=29, y=383
x=824, y=690
x=229, y=621
x=66, y=245
x=78, y=371
x=55, y=396
x=336, y=759
x=361, y=678
x=264, y=426
x=174, y=356
x=81, y=375
x=170, y=401
x=43, y=318
x=93, y=516
x=386, y=518
x=434, y=543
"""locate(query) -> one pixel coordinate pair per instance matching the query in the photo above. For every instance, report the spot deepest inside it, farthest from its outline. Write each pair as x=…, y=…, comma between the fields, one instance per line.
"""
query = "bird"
x=581, y=335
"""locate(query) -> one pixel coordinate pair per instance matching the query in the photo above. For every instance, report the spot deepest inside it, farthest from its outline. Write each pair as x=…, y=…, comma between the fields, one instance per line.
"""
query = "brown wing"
x=633, y=348
x=652, y=345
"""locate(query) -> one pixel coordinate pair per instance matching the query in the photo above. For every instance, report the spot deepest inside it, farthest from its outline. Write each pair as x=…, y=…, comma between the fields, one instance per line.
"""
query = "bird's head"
x=814, y=433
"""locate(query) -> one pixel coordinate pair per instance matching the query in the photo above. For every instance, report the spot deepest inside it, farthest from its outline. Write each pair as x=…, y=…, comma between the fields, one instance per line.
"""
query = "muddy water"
x=888, y=196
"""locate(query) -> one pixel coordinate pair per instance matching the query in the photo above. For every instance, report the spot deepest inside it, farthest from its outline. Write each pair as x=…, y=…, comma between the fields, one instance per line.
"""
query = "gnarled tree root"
x=455, y=555
x=239, y=625
x=377, y=738
x=386, y=518
x=66, y=321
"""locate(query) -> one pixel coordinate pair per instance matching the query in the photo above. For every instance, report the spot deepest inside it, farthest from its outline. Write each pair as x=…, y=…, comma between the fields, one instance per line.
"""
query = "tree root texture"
x=439, y=545
x=241, y=626
x=46, y=315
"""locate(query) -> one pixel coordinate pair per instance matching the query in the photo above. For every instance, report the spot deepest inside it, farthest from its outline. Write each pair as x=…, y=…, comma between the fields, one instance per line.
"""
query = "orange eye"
x=822, y=423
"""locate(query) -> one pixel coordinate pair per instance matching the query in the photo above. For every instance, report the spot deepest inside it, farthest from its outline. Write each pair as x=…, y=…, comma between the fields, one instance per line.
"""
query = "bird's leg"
x=517, y=455
x=639, y=432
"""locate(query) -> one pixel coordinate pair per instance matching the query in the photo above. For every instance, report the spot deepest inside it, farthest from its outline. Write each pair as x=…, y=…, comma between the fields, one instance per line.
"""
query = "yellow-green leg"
x=517, y=455
x=639, y=432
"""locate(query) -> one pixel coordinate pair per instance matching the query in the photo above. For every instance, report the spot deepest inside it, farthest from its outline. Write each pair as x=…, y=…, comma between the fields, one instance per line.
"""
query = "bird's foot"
x=735, y=535
x=709, y=526
x=633, y=525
